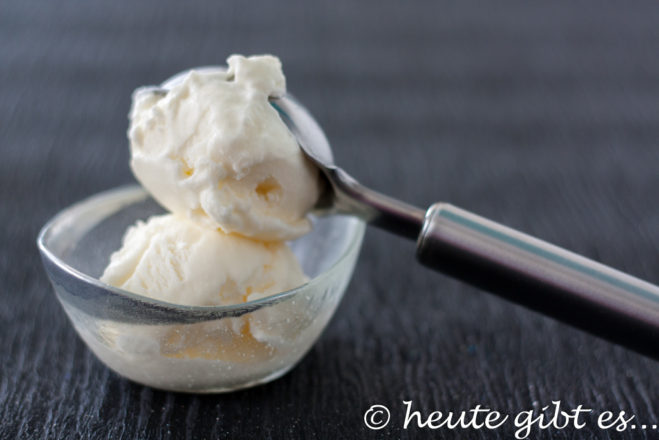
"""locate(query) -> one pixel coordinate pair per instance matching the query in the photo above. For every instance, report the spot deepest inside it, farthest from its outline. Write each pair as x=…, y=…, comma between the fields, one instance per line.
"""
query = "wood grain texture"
x=543, y=116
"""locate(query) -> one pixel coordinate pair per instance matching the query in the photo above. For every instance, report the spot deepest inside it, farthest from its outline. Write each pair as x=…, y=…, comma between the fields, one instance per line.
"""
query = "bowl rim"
x=130, y=193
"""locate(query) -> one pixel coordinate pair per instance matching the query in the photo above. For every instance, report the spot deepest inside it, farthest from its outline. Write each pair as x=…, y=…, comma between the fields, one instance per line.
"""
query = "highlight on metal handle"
x=541, y=276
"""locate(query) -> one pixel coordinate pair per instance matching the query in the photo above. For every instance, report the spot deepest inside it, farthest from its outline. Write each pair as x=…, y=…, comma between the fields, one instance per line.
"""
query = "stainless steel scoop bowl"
x=343, y=194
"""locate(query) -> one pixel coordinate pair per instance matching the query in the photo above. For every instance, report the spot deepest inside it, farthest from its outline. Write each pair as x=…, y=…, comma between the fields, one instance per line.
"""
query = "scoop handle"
x=541, y=276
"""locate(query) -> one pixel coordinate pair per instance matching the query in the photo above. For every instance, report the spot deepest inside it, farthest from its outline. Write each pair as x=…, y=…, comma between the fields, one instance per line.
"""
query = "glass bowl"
x=187, y=348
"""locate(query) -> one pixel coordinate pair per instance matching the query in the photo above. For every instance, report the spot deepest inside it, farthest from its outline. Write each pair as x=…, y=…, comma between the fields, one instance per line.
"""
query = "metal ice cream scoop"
x=516, y=266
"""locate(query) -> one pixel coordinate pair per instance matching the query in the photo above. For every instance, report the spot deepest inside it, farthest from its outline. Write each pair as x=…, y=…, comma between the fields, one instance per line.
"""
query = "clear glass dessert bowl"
x=188, y=348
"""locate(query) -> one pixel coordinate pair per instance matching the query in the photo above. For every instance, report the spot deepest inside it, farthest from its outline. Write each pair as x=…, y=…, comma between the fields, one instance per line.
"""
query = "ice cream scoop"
x=509, y=263
x=214, y=150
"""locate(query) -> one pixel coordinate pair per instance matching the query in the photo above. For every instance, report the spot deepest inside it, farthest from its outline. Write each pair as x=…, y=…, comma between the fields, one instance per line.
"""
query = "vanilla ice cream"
x=173, y=259
x=214, y=149
x=216, y=154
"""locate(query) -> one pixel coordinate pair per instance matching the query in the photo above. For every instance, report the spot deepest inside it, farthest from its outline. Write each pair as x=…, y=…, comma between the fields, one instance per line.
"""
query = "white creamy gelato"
x=215, y=153
x=215, y=150
x=173, y=259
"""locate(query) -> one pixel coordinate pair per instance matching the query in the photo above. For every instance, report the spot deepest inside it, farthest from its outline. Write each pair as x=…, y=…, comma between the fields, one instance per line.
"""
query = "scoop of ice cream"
x=214, y=149
x=173, y=259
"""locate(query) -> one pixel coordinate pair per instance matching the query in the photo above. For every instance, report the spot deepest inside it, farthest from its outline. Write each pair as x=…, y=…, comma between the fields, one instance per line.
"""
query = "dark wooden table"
x=543, y=116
